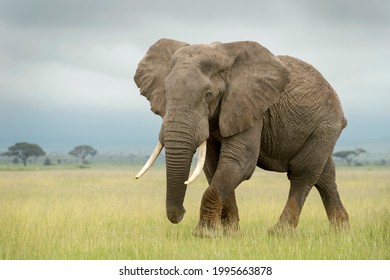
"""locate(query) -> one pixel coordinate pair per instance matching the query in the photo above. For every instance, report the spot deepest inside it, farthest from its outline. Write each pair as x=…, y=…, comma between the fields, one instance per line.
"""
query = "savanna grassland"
x=104, y=213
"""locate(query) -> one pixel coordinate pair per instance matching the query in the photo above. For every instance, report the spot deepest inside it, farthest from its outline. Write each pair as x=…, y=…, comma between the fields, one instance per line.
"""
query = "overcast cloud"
x=66, y=74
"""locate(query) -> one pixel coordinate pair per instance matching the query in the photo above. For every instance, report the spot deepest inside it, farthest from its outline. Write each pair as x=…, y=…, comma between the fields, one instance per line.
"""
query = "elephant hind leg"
x=327, y=187
x=305, y=170
x=290, y=216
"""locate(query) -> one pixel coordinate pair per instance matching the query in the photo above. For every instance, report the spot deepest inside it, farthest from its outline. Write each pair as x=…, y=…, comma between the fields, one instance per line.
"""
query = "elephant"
x=241, y=106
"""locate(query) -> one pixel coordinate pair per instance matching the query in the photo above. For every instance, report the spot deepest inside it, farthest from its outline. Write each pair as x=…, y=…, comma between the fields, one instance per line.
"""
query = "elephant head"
x=232, y=84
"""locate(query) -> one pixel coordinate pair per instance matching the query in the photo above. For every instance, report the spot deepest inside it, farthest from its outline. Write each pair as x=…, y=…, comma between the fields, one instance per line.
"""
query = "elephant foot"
x=339, y=220
x=281, y=230
x=340, y=226
x=208, y=232
x=220, y=230
x=231, y=227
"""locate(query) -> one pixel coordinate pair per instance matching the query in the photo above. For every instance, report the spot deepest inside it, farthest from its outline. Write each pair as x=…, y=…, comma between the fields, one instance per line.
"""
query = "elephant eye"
x=208, y=96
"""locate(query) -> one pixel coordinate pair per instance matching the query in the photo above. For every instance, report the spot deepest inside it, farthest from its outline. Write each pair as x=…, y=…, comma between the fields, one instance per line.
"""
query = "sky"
x=67, y=67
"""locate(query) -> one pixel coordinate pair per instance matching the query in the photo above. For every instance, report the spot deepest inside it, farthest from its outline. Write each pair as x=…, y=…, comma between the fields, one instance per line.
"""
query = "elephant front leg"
x=218, y=211
x=230, y=218
x=217, y=216
x=210, y=220
x=236, y=162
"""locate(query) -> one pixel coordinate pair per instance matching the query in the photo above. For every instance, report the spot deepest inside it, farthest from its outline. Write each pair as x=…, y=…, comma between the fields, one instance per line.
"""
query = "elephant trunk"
x=179, y=150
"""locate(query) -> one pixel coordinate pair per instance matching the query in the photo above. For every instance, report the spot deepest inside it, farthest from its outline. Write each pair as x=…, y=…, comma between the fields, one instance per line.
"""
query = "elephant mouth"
x=176, y=189
x=202, y=149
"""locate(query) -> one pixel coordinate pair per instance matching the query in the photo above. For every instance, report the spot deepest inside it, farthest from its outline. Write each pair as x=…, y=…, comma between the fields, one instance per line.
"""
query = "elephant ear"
x=152, y=70
x=255, y=81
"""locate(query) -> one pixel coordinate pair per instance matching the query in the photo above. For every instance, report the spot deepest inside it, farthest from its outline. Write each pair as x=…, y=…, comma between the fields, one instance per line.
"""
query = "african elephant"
x=249, y=108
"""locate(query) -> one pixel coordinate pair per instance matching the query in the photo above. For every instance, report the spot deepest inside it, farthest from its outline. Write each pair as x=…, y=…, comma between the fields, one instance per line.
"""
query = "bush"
x=47, y=162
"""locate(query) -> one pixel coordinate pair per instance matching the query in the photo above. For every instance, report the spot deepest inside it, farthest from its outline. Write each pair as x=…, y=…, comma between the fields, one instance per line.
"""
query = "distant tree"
x=82, y=152
x=348, y=156
x=47, y=162
x=23, y=150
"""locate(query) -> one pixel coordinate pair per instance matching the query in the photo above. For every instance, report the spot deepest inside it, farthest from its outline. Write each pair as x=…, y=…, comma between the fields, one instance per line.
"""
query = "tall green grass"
x=104, y=213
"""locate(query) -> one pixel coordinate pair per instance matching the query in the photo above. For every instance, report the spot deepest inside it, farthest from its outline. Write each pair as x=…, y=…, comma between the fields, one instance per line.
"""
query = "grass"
x=104, y=213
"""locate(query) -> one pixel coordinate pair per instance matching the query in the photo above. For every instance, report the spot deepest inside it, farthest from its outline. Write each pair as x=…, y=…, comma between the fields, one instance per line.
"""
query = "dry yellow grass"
x=104, y=213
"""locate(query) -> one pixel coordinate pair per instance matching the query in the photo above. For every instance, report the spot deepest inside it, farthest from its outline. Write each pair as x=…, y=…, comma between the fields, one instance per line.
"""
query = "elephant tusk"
x=151, y=160
x=199, y=166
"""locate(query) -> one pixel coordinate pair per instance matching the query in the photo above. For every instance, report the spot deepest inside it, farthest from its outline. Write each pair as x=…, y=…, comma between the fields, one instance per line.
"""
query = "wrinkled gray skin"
x=254, y=109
